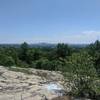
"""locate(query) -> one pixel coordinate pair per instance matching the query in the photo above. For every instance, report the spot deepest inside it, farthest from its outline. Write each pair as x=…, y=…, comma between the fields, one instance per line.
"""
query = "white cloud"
x=83, y=37
x=74, y=38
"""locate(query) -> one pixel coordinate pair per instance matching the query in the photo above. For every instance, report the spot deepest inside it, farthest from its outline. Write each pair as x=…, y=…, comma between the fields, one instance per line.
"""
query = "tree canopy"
x=80, y=65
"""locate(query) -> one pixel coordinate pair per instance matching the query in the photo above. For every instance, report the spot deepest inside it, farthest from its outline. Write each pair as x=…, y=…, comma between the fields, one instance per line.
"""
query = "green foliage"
x=22, y=64
x=94, y=51
x=81, y=72
x=80, y=65
x=62, y=50
x=6, y=60
x=47, y=64
x=9, y=61
x=23, y=52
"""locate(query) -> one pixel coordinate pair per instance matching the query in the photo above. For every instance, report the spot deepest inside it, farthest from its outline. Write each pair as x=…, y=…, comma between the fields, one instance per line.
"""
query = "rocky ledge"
x=29, y=84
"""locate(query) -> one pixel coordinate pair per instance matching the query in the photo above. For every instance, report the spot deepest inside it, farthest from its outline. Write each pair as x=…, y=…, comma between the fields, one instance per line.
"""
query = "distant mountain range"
x=36, y=45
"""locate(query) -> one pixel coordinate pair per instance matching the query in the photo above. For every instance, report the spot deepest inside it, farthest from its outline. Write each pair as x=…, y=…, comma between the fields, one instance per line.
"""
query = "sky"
x=49, y=21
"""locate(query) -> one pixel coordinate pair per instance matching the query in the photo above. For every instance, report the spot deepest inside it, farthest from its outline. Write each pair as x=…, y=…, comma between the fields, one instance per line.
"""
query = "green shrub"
x=9, y=61
x=6, y=60
x=82, y=72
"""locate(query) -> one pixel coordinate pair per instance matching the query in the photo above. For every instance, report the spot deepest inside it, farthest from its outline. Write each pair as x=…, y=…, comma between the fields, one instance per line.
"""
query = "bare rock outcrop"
x=17, y=85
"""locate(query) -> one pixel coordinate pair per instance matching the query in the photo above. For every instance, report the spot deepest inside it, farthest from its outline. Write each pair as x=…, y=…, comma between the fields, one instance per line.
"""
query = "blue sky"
x=53, y=21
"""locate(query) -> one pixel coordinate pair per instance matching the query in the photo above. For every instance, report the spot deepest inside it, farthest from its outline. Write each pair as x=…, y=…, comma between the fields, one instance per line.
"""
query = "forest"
x=81, y=65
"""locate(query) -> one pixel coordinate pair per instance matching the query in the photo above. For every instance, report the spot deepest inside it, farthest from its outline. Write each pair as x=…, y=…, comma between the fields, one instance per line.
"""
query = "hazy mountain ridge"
x=43, y=45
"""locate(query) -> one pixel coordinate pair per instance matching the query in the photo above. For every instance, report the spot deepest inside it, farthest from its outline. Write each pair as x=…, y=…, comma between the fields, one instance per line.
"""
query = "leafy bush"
x=6, y=60
x=81, y=71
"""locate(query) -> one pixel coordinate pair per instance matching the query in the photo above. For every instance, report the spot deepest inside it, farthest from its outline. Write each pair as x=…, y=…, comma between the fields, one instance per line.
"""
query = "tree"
x=94, y=51
x=94, y=48
x=81, y=72
x=62, y=50
x=33, y=55
x=12, y=52
x=9, y=61
x=23, y=51
x=37, y=54
x=6, y=60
